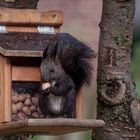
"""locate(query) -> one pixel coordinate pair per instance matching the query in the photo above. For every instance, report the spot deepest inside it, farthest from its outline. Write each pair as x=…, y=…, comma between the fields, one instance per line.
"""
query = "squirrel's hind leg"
x=69, y=106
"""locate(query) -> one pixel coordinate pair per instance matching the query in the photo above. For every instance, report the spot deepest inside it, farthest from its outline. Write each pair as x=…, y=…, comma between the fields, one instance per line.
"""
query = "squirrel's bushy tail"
x=74, y=57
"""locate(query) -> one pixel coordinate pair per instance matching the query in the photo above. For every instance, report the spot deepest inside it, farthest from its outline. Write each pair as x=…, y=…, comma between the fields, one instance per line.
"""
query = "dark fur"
x=66, y=63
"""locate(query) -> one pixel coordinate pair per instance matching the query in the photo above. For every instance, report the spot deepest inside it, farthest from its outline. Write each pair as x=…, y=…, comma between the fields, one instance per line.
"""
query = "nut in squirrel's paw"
x=46, y=85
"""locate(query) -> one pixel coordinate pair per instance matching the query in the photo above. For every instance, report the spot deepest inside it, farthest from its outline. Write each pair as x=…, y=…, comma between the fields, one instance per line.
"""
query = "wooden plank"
x=86, y=123
x=79, y=105
x=57, y=130
x=1, y=89
x=7, y=89
x=21, y=53
x=50, y=126
x=30, y=17
x=17, y=29
x=22, y=73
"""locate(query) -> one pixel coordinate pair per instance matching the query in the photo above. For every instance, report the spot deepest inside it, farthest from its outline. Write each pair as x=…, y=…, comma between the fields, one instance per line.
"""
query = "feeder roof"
x=25, y=44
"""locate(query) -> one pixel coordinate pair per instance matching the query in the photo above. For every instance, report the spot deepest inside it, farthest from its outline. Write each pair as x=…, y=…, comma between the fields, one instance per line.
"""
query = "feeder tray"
x=23, y=38
x=50, y=126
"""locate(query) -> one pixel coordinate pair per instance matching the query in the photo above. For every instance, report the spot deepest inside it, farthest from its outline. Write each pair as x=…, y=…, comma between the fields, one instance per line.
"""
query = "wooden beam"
x=21, y=73
x=7, y=89
x=26, y=29
x=1, y=88
x=28, y=17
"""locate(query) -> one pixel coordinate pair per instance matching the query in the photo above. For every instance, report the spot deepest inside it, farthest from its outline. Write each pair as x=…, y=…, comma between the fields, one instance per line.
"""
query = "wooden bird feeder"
x=24, y=34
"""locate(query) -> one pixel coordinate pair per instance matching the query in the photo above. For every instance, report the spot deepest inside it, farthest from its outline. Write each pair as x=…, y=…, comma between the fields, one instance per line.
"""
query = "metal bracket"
x=3, y=29
x=45, y=30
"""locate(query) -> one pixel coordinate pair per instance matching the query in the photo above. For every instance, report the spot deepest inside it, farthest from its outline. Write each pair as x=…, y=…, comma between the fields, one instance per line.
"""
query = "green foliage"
x=135, y=66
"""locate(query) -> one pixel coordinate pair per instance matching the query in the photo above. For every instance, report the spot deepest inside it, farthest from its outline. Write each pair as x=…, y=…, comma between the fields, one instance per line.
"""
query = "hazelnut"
x=21, y=116
x=22, y=97
x=32, y=108
x=15, y=99
x=19, y=106
x=14, y=108
x=34, y=100
x=27, y=102
x=26, y=110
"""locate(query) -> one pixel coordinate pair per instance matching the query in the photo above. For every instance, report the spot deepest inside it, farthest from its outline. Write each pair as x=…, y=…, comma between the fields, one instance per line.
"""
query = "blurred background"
x=81, y=19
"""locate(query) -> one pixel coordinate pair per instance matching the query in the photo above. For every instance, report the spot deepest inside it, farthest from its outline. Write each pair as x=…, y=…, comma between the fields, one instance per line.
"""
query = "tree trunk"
x=117, y=103
x=28, y=4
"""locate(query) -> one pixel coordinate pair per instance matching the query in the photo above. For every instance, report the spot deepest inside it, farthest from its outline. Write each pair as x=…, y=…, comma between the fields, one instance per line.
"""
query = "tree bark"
x=21, y=4
x=117, y=103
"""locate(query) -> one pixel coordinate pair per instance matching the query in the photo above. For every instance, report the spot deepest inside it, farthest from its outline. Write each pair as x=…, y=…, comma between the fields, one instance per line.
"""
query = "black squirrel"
x=64, y=70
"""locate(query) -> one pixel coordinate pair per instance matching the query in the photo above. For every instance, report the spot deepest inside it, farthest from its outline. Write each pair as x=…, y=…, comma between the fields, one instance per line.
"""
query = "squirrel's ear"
x=57, y=62
x=50, y=51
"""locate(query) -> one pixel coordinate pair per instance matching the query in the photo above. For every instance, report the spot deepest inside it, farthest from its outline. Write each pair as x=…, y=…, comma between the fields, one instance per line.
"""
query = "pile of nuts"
x=25, y=106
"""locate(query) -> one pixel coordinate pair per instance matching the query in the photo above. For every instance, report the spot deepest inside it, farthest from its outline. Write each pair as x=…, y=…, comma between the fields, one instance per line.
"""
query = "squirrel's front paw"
x=46, y=91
